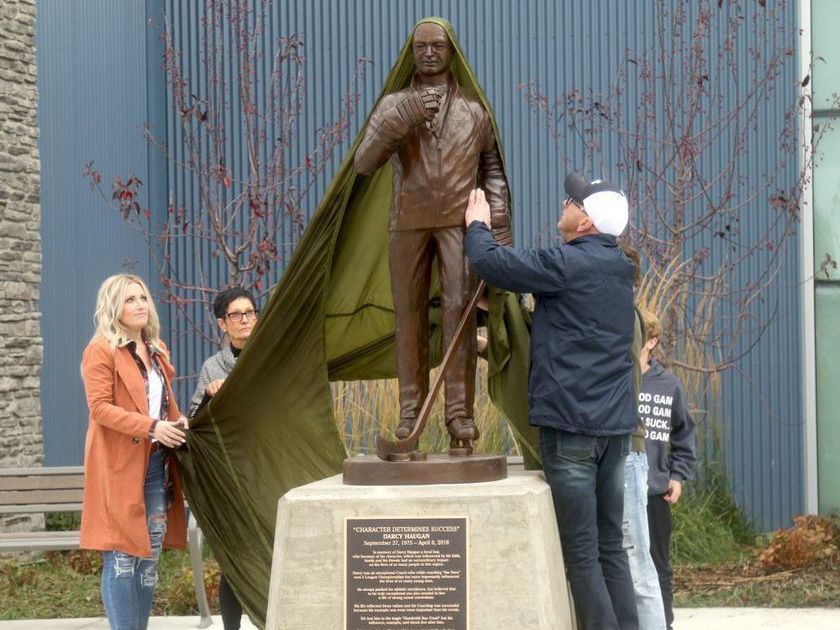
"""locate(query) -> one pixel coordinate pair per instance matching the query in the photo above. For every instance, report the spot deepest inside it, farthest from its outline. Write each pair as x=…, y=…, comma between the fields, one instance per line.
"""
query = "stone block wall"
x=21, y=346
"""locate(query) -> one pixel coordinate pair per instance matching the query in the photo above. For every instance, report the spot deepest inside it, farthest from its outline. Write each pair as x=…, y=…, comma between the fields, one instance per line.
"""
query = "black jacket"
x=581, y=374
x=669, y=429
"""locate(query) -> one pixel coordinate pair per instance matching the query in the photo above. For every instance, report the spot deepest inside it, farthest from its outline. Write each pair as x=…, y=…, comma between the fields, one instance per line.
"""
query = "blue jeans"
x=586, y=476
x=128, y=582
x=637, y=543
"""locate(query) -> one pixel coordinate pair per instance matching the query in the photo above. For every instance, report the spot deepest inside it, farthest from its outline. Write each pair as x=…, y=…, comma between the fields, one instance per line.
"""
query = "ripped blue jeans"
x=128, y=582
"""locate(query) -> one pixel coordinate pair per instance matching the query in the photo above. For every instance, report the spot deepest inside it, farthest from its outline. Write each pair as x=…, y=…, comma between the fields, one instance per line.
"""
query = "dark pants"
x=586, y=476
x=411, y=253
x=230, y=607
x=659, y=521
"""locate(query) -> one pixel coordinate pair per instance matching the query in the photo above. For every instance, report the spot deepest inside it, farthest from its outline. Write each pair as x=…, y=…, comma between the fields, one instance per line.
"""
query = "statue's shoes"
x=462, y=429
x=404, y=430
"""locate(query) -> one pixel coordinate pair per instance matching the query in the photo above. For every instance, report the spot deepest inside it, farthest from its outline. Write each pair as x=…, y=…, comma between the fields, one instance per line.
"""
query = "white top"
x=155, y=394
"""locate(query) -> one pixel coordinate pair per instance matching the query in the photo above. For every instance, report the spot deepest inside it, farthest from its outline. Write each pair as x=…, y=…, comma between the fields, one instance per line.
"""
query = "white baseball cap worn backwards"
x=602, y=201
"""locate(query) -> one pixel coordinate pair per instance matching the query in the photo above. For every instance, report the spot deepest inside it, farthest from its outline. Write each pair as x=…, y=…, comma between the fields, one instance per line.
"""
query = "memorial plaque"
x=405, y=573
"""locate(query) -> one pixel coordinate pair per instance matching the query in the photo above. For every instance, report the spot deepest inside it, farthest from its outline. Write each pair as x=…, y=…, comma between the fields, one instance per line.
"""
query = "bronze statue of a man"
x=441, y=144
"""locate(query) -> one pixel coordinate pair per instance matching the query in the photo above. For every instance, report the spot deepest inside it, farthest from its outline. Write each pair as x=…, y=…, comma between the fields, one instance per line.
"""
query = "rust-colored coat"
x=117, y=453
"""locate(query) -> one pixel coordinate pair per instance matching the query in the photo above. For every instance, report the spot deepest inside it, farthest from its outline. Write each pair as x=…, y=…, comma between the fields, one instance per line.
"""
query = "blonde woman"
x=132, y=504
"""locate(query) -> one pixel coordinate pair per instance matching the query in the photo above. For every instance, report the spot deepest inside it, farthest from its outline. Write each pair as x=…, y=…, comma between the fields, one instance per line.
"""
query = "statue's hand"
x=431, y=101
x=419, y=106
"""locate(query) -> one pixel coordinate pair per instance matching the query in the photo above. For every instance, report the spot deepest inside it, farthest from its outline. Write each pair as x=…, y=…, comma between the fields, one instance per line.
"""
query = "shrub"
x=62, y=521
x=708, y=527
x=813, y=540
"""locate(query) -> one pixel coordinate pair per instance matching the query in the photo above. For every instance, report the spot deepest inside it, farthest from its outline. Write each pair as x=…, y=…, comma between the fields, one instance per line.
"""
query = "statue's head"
x=432, y=49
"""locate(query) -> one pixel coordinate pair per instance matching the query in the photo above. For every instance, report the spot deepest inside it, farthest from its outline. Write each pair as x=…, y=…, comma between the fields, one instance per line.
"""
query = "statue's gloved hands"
x=420, y=106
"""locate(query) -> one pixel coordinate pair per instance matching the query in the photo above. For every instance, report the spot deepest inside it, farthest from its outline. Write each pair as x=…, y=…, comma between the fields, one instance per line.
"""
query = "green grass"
x=66, y=584
x=805, y=589
x=715, y=555
x=707, y=525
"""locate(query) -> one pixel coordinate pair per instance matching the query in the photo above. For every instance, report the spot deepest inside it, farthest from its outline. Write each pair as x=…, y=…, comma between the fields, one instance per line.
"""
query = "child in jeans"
x=670, y=446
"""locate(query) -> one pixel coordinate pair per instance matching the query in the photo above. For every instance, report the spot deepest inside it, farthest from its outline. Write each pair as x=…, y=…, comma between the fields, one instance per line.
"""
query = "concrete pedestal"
x=515, y=567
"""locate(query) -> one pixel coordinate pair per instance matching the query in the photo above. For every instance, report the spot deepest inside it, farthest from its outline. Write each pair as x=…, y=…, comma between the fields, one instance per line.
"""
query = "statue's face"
x=432, y=50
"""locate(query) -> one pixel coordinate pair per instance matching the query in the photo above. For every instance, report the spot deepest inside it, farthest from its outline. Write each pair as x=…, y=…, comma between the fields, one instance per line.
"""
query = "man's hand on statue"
x=431, y=101
x=478, y=209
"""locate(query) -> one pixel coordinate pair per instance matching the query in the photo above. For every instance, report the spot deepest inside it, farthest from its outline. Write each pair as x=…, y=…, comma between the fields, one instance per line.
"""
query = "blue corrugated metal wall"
x=508, y=44
x=560, y=44
x=93, y=75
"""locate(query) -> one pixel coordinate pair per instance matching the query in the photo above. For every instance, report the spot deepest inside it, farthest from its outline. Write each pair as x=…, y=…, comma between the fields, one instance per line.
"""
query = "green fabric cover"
x=270, y=428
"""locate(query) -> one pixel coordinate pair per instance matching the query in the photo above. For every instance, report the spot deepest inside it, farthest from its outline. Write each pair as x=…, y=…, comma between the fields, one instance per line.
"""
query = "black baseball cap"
x=575, y=186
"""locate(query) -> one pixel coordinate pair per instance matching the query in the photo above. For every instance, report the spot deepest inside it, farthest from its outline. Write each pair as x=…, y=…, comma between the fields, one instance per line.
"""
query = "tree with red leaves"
x=248, y=217
x=685, y=116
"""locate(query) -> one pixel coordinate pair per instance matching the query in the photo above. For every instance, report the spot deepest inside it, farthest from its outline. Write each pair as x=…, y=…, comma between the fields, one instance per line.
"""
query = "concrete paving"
x=757, y=618
x=155, y=623
x=686, y=619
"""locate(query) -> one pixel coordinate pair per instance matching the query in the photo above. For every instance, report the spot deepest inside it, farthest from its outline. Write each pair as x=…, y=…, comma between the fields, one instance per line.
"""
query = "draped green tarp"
x=331, y=317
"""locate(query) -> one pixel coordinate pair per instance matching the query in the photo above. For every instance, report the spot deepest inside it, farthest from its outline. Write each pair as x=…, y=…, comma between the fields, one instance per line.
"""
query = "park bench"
x=59, y=489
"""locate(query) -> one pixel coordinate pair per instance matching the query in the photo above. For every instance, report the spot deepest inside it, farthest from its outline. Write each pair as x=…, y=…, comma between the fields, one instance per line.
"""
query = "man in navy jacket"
x=580, y=385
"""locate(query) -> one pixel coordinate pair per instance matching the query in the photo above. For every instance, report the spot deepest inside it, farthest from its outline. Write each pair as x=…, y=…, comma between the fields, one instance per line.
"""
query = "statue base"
x=433, y=468
x=510, y=574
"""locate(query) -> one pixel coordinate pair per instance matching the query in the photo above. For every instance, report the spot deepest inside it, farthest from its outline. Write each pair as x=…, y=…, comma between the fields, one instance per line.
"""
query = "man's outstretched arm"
x=523, y=271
